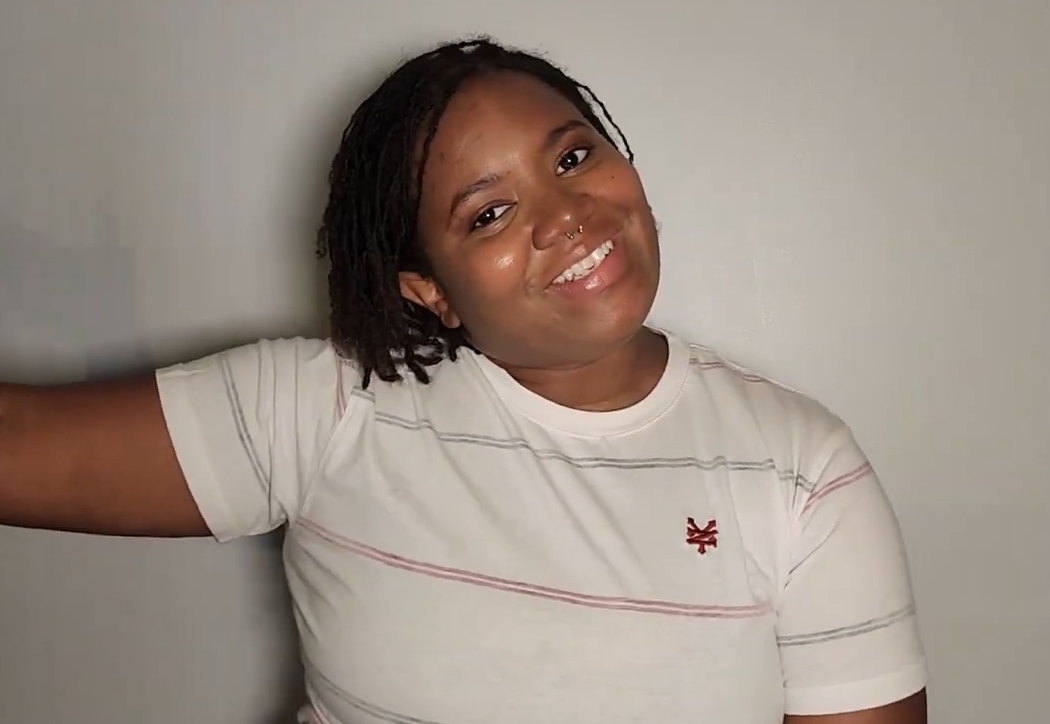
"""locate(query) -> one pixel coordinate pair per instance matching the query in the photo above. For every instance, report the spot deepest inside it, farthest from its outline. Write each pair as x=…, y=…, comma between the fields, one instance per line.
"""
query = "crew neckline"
x=586, y=423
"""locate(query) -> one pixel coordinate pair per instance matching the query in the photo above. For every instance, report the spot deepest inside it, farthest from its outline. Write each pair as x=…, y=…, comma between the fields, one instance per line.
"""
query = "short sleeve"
x=847, y=628
x=250, y=426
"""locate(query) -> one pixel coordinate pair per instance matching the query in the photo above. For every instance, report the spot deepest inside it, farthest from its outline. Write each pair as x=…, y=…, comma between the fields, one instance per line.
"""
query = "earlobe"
x=426, y=293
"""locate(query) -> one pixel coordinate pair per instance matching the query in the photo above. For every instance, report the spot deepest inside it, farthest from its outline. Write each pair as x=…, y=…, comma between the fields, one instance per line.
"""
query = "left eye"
x=572, y=159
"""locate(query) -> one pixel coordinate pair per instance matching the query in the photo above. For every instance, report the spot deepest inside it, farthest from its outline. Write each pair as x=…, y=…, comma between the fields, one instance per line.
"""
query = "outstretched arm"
x=93, y=458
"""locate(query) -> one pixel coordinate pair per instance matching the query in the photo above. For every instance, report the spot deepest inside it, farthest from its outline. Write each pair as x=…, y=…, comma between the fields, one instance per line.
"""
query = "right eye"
x=489, y=216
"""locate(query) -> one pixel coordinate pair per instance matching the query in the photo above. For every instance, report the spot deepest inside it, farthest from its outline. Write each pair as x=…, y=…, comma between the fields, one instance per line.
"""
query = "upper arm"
x=94, y=458
x=846, y=623
x=224, y=444
x=250, y=426
x=911, y=710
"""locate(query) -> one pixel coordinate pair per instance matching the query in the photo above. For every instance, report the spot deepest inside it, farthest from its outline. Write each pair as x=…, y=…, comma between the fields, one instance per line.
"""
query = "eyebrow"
x=553, y=137
x=470, y=189
x=556, y=134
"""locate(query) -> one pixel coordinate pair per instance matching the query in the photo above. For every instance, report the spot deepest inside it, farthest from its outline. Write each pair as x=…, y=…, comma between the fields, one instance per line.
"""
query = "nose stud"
x=571, y=235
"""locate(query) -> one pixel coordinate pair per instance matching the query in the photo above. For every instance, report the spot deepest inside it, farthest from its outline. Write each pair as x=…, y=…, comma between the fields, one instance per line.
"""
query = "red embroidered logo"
x=702, y=538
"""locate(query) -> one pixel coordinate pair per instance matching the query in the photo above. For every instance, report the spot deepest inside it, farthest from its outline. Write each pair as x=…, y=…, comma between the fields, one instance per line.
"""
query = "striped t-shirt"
x=469, y=552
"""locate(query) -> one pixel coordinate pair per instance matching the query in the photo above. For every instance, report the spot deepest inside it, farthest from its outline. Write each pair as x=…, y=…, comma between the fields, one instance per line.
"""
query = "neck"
x=614, y=382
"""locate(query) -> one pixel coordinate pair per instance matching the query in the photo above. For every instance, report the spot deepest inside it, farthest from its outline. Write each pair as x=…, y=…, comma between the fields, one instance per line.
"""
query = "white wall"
x=855, y=198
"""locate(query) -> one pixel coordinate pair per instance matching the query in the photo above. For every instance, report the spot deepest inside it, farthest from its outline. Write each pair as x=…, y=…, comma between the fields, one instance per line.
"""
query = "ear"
x=426, y=293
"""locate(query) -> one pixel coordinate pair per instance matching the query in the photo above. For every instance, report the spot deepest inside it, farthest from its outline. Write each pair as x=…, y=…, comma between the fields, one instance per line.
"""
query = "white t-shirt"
x=467, y=551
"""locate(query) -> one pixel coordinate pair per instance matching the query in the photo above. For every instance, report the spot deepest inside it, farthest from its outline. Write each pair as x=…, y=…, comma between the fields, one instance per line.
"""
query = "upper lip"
x=574, y=255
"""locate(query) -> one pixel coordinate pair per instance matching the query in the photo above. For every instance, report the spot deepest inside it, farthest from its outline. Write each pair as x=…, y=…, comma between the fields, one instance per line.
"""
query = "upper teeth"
x=585, y=265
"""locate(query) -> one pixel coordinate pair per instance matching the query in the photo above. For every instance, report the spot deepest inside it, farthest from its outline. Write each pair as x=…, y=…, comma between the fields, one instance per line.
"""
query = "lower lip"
x=608, y=272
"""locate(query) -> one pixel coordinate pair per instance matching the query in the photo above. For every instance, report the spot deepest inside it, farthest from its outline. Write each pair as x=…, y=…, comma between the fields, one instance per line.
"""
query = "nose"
x=562, y=217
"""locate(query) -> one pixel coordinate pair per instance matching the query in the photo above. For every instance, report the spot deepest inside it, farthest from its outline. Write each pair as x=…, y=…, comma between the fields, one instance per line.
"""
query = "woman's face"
x=518, y=188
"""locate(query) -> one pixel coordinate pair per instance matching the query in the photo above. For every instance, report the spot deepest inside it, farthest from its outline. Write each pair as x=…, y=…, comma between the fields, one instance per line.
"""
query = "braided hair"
x=369, y=228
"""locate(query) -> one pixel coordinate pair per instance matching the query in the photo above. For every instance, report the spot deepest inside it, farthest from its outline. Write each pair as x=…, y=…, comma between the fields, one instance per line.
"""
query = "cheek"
x=486, y=275
x=623, y=188
x=632, y=195
x=505, y=262
x=630, y=186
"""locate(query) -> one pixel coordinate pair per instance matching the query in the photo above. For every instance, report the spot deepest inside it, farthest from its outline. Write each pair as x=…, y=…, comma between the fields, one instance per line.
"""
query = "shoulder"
x=746, y=399
x=456, y=393
x=286, y=354
x=270, y=376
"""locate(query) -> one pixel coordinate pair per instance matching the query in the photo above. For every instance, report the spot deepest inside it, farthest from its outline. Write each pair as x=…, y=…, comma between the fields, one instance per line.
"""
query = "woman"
x=507, y=498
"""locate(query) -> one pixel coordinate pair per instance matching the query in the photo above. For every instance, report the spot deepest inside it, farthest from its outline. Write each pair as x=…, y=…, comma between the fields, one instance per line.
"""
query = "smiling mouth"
x=585, y=266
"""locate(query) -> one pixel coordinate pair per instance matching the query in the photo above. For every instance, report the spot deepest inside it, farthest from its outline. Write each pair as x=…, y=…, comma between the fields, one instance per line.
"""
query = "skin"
x=97, y=457
x=539, y=171
x=495, y=252
x=92, y=458
x=907, y=711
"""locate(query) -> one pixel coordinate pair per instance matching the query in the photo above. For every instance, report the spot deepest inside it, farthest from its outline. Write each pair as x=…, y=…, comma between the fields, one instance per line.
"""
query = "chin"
x=617, y=326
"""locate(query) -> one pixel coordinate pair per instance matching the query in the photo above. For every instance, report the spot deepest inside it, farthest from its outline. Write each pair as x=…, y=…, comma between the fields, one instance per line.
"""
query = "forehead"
x=498, y=98
x=489, y=121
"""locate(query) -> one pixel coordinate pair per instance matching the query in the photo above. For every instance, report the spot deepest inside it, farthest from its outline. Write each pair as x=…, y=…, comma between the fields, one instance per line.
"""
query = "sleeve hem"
x=200, y=476
x=855, y=696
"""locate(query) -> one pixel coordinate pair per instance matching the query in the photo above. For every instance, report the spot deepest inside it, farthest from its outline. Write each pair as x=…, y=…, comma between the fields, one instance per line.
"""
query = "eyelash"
x=476, y=225
x=587, y=150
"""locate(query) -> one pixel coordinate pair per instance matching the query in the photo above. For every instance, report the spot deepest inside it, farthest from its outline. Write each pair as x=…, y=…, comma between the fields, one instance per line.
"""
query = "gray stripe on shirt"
x=845, y=632
x=241, y=424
